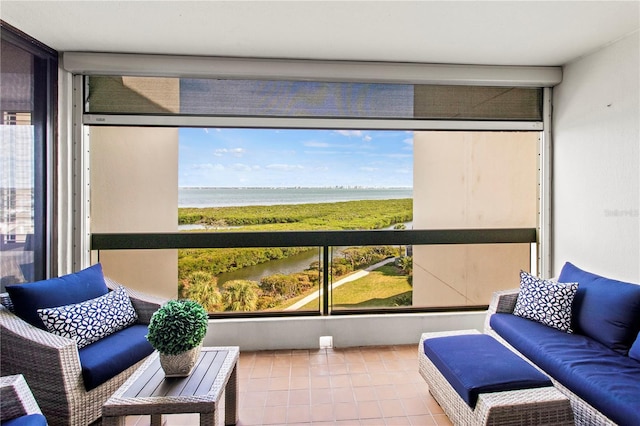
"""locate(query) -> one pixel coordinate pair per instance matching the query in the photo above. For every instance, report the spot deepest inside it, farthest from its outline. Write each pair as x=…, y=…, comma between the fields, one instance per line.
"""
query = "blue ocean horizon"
x=252, y=196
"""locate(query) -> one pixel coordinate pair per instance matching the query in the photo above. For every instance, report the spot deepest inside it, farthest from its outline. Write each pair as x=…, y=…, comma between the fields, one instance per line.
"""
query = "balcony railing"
x=325, y=240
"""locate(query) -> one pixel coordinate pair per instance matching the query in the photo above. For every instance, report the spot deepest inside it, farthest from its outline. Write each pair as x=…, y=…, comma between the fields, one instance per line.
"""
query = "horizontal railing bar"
x=193, y=240
x=305, y=122
x=408, y=310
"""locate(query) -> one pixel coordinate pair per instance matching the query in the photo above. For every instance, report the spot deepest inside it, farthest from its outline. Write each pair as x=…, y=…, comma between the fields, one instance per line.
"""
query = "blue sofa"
x=597, y=363
x=76, y=339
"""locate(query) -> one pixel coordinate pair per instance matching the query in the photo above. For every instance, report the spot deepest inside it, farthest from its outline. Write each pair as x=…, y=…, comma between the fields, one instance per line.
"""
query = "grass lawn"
x=378, y=289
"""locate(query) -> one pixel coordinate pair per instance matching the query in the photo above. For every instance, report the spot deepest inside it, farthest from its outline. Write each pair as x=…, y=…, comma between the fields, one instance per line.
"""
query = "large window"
x=218, y=181
x=156, y=168
x=27, y=122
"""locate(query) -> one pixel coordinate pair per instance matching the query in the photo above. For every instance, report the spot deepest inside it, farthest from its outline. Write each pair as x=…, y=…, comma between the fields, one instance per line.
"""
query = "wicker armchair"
x=16, y=399
x=51, y=364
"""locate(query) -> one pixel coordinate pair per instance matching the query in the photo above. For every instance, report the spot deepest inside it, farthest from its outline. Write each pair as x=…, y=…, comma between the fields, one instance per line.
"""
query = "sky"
x=294, y=157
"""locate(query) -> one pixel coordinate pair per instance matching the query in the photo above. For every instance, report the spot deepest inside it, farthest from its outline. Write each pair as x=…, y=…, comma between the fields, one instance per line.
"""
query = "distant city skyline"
x=219, y=157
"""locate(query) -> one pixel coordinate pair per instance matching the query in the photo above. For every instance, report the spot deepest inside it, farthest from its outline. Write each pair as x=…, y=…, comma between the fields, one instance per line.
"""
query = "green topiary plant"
x=178, y=326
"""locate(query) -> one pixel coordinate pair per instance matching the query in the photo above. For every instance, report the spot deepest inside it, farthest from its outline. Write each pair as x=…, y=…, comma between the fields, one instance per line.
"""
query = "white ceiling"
x=453, y=32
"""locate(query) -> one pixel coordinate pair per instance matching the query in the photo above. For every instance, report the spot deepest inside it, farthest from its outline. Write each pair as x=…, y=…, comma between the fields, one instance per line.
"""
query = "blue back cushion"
x=477, y=363
x=110, y=356
x=68, y=289
x=604, y=309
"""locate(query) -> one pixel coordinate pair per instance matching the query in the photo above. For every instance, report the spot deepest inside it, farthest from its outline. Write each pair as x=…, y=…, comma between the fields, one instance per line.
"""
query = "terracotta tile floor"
x=352, y=386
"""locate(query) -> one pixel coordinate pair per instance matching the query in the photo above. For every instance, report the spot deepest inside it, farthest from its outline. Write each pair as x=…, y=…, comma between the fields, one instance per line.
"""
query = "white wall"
x=347, y=330
x=472, y=180
x=596, y=138
x=134, y=188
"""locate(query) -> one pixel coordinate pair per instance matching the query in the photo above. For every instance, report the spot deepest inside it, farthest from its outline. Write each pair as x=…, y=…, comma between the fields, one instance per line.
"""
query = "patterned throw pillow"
x=547, y=302
x=90, y=321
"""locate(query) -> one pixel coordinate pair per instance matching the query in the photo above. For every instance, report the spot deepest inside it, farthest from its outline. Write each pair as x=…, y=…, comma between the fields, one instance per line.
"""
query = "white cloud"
x=315, y=144
x=389, y=155
x=284, y=167
x=236, y=152
x=355, y=134
x=239, y=167
x=207, y=166
x=408, y=141
x=341, y=153
x=369, y=169
x=350, y=133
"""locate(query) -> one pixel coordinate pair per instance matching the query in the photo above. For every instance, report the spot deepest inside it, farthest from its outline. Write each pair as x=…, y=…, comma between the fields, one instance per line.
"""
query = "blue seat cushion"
x=65, y=290
x=607, y=380
x=604, y=309
x=634, y=352
x=28, y=420
x=113, y=354
x=477, y=363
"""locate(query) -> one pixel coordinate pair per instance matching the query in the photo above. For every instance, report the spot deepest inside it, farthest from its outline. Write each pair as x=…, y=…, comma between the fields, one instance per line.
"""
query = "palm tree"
x=240, y=295
x=202, y=287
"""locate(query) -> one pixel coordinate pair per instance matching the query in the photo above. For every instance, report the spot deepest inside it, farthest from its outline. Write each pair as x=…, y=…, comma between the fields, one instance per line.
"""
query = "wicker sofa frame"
x=584, y=413
x=51, y=364
x=16, y=399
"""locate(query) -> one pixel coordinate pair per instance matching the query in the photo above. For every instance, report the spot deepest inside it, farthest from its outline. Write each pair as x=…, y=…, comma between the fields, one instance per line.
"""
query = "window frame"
x=44, y=120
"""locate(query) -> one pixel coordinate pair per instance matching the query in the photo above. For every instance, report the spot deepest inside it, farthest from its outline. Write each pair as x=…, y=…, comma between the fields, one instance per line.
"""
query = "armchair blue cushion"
x=109, y=356
x=66, y=290
x=28, y=420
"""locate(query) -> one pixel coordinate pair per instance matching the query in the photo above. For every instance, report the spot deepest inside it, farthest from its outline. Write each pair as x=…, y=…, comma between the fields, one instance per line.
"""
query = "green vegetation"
x=198, y=268
x=365, y=214
x=217, y=261
x=278, y=290
x=240, y=295
x=203, y=287
x=406, y=264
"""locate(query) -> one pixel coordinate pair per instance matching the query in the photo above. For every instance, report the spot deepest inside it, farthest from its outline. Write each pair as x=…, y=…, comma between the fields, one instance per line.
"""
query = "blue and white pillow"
x=544, y=301
x=90, y=321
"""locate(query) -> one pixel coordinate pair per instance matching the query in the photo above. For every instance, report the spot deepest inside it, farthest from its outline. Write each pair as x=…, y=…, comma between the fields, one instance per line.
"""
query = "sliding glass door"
x=27, y=126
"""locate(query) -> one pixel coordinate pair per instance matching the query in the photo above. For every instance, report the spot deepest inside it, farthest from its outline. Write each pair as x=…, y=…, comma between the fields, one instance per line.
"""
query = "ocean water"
x=234, y=197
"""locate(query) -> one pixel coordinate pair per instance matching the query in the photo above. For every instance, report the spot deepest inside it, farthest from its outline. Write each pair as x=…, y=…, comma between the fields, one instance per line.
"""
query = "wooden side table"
x=211, y=389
